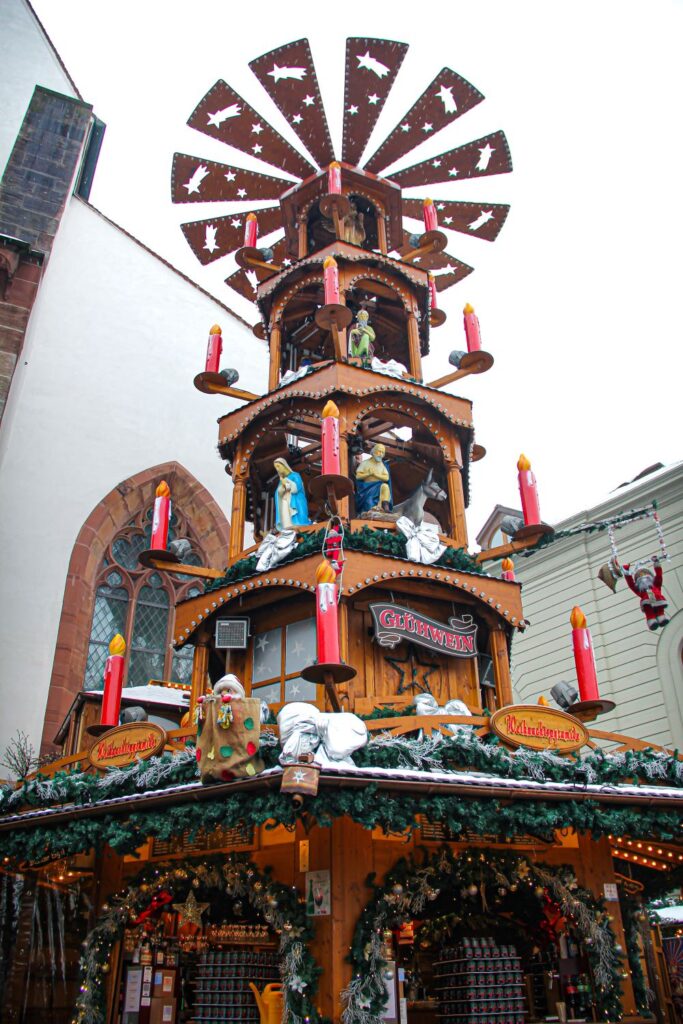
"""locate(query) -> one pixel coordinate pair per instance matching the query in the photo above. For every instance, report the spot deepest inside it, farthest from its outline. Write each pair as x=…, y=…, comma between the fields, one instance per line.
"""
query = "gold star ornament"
x=190, y=911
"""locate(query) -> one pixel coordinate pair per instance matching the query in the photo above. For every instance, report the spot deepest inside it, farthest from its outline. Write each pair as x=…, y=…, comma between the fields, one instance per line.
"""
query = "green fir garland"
x=632, y=914
x=369, y=806
x=278, y=904
x=464, y=751
x=379, y=542
x=410, y=886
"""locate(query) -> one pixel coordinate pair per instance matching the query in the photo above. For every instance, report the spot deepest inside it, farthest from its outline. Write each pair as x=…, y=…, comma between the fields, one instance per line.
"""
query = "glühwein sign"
x=394, y=623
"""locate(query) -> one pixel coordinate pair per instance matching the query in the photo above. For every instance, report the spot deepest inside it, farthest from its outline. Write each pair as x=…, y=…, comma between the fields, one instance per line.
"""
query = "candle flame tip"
x=507, y=565
x=216, y=329
x=117, y=645
x=543, y=701
x=469, y=308
x=330, y=409
x=428, y=202
x=251, y=216
x=523, y=463
x=325, y=573
x=329, y=261
x=163, y=490
x=577, y=618
x=335, y=164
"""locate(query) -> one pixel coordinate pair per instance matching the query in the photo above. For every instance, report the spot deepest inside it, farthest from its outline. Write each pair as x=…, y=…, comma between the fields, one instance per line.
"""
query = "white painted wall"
x=640, y=670
x=26, y=60
x=103, y=390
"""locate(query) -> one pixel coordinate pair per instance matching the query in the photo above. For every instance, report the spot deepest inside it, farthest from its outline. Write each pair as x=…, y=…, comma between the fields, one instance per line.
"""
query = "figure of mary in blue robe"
x=291, y=506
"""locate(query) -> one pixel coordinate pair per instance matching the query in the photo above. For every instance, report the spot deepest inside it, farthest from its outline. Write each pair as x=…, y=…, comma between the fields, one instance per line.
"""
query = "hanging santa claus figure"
x=646, y=583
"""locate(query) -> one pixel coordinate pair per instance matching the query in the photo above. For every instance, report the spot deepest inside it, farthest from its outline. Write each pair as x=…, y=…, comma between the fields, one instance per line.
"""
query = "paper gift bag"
x=228, y=740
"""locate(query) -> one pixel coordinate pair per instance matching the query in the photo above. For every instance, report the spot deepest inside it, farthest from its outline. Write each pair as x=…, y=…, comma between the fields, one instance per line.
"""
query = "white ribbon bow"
x=331, y=737
x=391, y=367
x=274, y=547
x=423, y=544
x=426, y=704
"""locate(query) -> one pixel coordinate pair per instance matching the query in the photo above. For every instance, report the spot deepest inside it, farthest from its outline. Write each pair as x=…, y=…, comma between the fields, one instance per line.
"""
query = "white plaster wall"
x=26, y=60
x=638, y=669
x=103, y=390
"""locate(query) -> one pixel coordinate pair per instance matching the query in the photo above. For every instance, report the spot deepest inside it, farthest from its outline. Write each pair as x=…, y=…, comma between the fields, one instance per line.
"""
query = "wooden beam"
x=275, y=356
x=449, y=378
x=187, y=570
x=224, y=389
x=500, y=657
x=491, y=554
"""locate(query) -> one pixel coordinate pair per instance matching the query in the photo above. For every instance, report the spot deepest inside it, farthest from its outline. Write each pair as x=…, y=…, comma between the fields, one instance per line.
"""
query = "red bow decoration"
x=158, y=901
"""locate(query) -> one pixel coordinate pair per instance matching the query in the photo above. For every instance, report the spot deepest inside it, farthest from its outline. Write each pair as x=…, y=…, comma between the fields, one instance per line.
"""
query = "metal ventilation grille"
x=437, y=832
x=232, y=634
x=220, y=838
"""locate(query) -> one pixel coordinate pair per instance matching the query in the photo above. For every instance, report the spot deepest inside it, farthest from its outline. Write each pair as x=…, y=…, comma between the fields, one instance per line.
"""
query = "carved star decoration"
x=190, y=911
x=413, y=663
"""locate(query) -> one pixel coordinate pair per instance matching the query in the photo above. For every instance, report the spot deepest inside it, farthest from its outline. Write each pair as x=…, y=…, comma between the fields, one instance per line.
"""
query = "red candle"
x=508, y=567
x=433, y=298
x=214, y=349
x=331, y=281
x=250, y=230
x=472, y=329
x=330, y=439
x=528, y=492
x=584, y=659
x=430, y=217
x=334, y=178
x=326, y=615
x=161, y=518
x=113, y=682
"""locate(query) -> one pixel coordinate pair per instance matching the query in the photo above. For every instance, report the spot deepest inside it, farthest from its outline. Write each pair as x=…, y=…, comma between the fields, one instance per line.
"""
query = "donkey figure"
x=413, y=507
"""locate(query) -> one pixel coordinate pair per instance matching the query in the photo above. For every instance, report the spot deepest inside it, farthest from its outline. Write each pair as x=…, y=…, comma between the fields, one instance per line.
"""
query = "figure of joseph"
x=291, y=507
x=373, y=483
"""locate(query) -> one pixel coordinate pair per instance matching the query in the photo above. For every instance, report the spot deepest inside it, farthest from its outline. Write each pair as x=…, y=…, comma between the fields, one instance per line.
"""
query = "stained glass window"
x=138, y=603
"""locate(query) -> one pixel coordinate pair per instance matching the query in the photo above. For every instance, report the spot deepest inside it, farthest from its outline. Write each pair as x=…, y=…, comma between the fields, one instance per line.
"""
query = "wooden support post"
x=303, y=238
x=275, y=356
x=500, y=656
x=381, y=232
x=239, y=505
x=349, y=896
x=338, y=338
x=414, y=347
x=456, y=498
x=594, y=868
x=200, y=671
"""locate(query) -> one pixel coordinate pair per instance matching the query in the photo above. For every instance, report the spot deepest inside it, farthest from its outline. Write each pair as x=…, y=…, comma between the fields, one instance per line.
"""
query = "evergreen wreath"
x=278, y=904
x=410, y=886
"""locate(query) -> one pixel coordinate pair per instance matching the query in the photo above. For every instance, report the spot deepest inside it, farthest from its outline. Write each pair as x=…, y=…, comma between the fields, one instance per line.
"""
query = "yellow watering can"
x=269, y=1002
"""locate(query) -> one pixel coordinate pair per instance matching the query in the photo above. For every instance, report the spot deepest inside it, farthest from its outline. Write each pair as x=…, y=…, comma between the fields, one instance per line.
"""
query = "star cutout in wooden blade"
x=444, y=100
x=488, y=155
x=481, y=220
x=245, y=281
x=191, y=911
x=371, y=69
x=217, y=236
x=413, y=662
x=223, y=114
x=195, y=180
x=288, y=76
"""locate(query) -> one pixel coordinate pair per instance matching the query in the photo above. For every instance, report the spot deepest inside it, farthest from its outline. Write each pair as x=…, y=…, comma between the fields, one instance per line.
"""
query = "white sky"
x=579, y=299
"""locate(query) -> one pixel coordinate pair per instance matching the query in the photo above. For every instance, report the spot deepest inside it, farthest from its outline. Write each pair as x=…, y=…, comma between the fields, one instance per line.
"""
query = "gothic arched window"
x=138, y=603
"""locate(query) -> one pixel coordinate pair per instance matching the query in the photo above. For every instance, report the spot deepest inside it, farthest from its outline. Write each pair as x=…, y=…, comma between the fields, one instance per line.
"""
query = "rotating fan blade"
x=216, y=237
x=371, y=69
x=489, y=155
x=288, y=76
x=446, y=269
x=444, y=100
x=194, y=180
x=245, y=282
x=482, y=220
x=223, y=114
